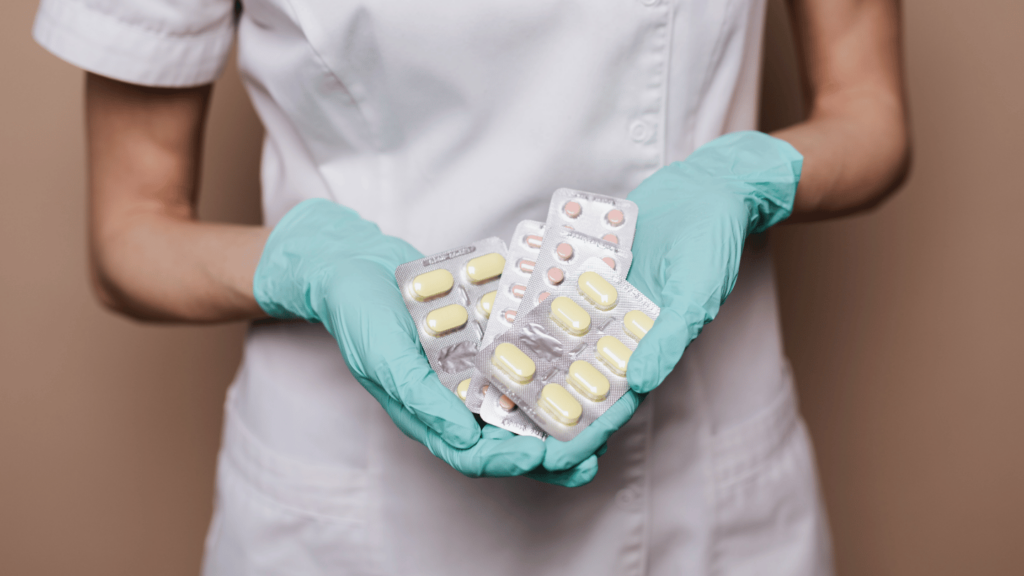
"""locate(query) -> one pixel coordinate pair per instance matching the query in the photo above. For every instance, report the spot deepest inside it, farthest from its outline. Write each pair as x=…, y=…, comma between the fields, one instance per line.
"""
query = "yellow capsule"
x=432, y=284
x=463, y=389
x=513, y=362
x=637, y=324
x=614, y=354
x=486, y=303
x=557, y=402
x=570, y=316
x=484, y=268
x=446, y=319
x=598, y=291
x=588, y=381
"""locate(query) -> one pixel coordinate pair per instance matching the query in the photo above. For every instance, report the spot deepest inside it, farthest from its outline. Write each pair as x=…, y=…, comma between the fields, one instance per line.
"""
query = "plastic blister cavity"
x=447, y=295
x=554, y=351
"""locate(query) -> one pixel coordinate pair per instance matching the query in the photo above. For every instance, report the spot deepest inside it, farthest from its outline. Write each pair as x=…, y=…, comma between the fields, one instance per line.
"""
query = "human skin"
x=152, y=259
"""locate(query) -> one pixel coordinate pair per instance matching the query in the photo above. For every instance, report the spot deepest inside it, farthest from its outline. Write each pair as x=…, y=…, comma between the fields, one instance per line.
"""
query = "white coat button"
x=639, y=131
x=627, y=496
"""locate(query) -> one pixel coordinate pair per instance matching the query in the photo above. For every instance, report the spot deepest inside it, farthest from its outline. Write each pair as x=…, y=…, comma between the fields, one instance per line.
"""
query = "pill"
x=534, y=241
x=510, y=315
x=484, y=388
x=614, y=354
x=484, y=268
x=637, y=324
x=573, y=209
x=486, y=303
x=518, y=290
x=506, y=403
x=609, y=261
x=570, y=316
x=526, y=266
x=432, y=284
x=555, y=275
x=557, y=402
x=463, y=389
x=564, y=251
x=513, y=362
x=610, y=238
x=597, y=291
x=446, y=319
x=543, y=296
x=588, y=381
x=615, y=217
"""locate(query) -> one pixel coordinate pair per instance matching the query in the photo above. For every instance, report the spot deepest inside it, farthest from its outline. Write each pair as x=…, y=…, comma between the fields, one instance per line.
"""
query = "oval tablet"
x=432, y=284
x=614, y=354
x=557, y=402
x=564, y=250
x=598, y=291
x=518, y=290
x=637, y=324
x=610, y=238
x=534, y=241
x=446, y=319
x=486, y=303
x=513, y=362
x=463, y=389
x=510, y=315
x=526, y=266
x=609, y=261
x=615, y=217
x=555, y=275
x=543, y=296
x=570, y=316
x=573, y=209
x=484, y=268
x=588, y=381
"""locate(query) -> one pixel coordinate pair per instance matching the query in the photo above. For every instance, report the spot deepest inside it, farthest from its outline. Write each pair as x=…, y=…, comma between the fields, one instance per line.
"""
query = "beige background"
x=903, y=327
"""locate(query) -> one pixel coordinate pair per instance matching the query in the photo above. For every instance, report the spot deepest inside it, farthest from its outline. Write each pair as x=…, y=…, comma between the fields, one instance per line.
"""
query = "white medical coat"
x=445, y=122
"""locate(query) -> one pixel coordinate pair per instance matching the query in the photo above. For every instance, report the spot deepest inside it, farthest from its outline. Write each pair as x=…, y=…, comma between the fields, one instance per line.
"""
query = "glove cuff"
x=283, y=277
x=768, y=168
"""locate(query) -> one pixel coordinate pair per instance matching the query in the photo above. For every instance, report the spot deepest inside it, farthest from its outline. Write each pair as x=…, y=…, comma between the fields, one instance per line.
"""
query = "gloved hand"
x=323, y=263
x=694, y=218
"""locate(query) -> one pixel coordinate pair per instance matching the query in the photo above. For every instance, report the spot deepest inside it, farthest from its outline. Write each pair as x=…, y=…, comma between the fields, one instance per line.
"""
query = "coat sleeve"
x=165, y=43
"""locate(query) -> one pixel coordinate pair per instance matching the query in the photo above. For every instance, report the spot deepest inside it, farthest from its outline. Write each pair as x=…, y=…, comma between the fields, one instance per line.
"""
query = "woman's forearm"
x=856, y=142
x=150, y=256
x=158, y=268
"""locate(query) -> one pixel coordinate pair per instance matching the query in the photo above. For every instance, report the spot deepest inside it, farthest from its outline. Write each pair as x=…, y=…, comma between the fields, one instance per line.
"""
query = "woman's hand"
x=694, y=219
x=323, y=263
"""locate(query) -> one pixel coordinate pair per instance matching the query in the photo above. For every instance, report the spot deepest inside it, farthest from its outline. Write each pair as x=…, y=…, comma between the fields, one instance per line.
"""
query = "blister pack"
x=563, y=248
x=519, y=263
x=564, y=363
x=561, y=253
x=450, y=296
x=605, y=217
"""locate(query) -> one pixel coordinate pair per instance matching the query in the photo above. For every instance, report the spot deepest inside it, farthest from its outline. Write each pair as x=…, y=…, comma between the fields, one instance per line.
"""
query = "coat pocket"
x=769, y=516
x=275, y=515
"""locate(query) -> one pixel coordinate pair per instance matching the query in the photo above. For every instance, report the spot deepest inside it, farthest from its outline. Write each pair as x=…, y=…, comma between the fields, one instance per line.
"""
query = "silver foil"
x=526, y=332
x=451, y=354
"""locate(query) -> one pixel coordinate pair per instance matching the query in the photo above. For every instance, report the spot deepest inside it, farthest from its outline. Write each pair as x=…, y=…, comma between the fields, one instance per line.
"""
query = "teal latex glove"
x=323, y=263
x=694, y=218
